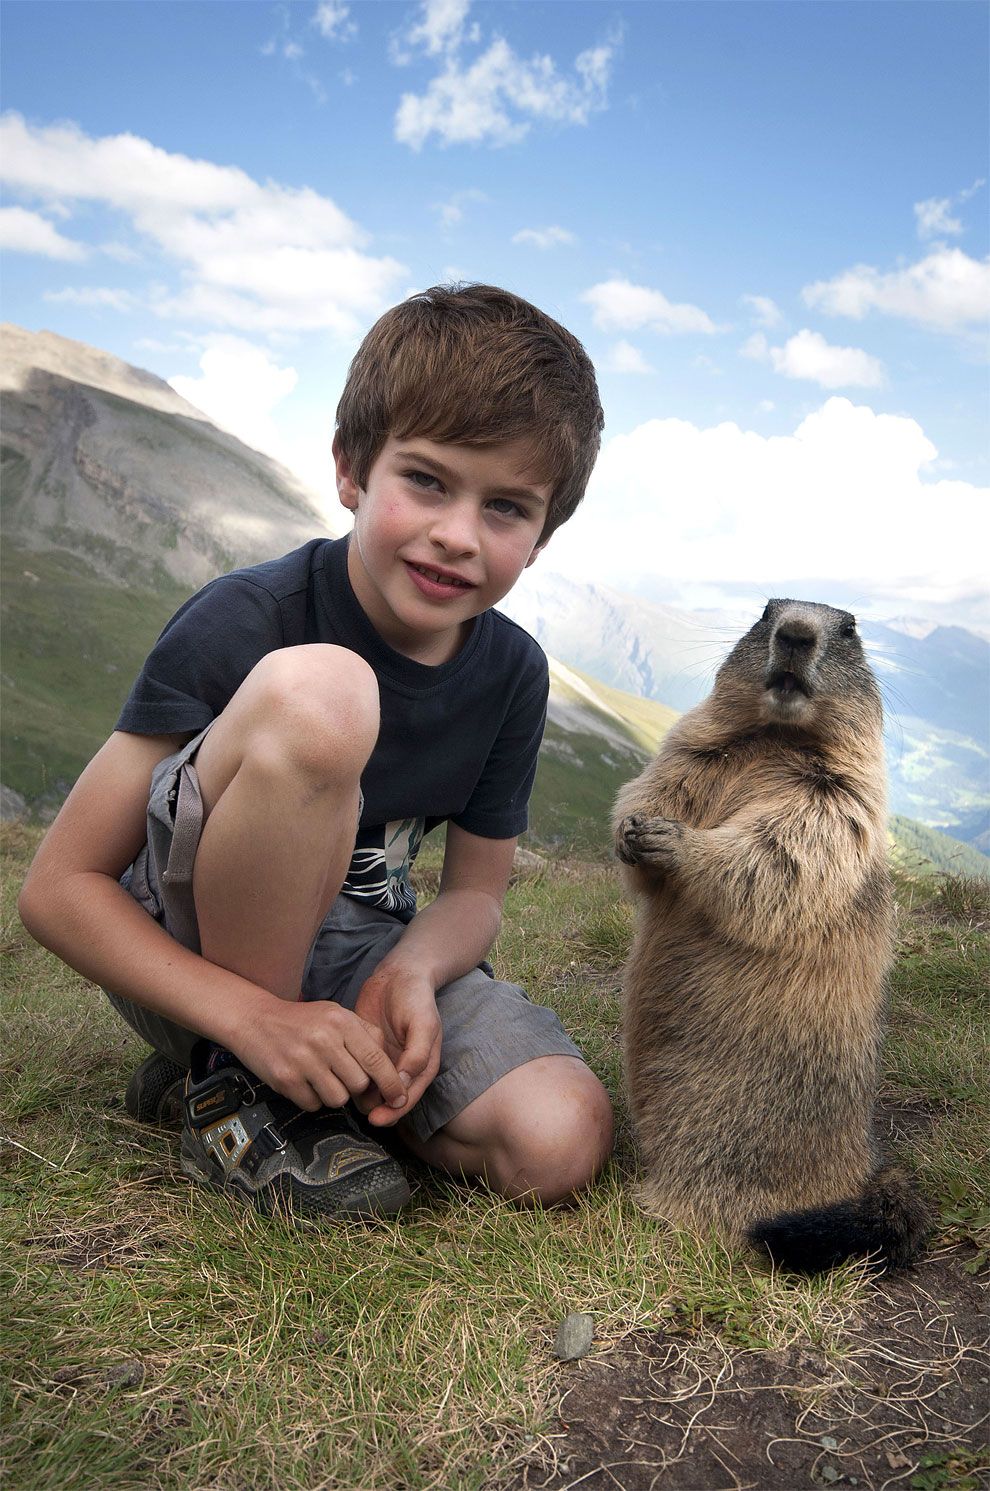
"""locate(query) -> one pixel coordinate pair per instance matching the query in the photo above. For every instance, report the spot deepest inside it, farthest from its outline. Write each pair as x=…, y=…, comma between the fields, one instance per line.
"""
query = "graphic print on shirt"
x=380, y=866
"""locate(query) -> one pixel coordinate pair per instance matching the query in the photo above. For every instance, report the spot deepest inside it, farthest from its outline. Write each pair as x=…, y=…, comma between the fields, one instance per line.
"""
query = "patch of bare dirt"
x=904, y=1402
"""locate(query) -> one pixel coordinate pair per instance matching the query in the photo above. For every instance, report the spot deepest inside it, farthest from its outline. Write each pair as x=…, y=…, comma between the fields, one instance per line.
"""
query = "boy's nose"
x=455, y=528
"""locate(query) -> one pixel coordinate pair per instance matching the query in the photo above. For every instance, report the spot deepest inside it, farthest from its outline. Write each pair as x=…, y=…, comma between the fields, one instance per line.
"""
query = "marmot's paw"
x=653, y=843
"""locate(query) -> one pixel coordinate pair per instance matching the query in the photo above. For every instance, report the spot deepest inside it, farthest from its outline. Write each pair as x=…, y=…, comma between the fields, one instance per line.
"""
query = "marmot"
x=756, y=843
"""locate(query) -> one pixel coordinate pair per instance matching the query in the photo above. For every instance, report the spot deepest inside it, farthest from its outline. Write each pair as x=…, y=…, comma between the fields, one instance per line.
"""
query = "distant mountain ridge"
x=935, y=682
x=120, y=499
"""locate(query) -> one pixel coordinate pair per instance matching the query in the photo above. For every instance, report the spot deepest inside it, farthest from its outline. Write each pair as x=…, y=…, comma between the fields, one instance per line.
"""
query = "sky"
x=767, y=223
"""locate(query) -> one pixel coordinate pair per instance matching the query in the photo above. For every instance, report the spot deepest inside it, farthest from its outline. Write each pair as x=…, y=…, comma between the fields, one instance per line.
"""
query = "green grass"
x=158, y=1338
x=72, y=646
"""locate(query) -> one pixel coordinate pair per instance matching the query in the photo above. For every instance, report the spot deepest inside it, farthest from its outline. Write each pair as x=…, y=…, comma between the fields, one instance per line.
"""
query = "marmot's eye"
x=849, y=630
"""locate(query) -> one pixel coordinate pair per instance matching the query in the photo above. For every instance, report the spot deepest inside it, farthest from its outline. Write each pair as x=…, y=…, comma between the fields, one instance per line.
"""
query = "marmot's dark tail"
x=889, y=1222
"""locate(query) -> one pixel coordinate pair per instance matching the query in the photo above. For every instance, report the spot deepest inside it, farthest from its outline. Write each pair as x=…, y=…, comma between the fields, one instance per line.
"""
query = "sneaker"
x=244, y=1138
x=156, y=1092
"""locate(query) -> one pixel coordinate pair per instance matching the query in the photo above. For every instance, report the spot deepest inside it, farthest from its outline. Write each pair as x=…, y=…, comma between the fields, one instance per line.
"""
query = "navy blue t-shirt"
x=458, y=741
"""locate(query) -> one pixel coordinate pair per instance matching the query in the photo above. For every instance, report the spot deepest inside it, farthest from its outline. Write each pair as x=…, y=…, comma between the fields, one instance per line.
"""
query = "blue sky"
x=767, y=223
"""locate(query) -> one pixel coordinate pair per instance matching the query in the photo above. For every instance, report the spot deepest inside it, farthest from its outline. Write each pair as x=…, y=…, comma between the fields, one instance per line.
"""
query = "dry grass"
x=157, y=1338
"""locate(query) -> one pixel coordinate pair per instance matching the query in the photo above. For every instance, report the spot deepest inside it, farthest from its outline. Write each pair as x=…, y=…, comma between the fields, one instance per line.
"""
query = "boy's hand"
x=319, y=1053
x=402, y=1005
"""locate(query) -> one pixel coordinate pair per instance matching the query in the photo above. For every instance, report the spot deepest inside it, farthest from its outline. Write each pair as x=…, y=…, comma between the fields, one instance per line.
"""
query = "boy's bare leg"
x=279, y=773
x=542, y=1132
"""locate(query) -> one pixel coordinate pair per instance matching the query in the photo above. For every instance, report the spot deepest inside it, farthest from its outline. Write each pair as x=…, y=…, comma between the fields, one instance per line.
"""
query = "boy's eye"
x=423, y=479
x=506, y=508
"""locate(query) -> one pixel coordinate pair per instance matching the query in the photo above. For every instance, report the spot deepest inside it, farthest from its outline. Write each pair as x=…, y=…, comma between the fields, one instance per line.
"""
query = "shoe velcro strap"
x=220, y=1100
x=267, y=1141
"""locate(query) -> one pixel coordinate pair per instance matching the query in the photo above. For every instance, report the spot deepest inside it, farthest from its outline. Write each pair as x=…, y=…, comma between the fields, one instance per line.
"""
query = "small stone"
x=575, y=1334
x=830, y=1474
x=124, y=1374
x=828, y=1441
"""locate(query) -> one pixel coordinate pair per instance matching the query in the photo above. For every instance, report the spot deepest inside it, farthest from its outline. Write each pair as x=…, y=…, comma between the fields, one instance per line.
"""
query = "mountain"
x=107, y=463
x=934, y=681
x=120, y=499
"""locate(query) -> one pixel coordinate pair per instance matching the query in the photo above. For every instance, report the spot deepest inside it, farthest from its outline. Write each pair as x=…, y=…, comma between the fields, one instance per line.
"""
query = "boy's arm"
x=73, y=903
x=446, y=939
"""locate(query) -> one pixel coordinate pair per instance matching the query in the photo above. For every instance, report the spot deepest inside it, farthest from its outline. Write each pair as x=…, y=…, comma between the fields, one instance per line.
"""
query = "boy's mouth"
x=440, y=577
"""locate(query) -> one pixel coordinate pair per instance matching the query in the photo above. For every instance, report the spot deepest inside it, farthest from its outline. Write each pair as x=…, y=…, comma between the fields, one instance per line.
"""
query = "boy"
x=233, y=864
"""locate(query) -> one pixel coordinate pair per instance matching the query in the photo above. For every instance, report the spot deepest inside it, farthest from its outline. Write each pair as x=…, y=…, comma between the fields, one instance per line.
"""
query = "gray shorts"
x=489, y=1028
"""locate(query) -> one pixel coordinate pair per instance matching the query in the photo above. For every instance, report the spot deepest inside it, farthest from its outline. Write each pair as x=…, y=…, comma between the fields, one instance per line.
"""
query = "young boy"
x=233, y=864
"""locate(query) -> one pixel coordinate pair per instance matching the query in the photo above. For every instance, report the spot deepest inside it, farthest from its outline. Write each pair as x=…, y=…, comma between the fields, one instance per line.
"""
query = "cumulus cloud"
x=618, y=305
x=625, y=358
x=763, y=310
x=845, y=495
x=332, y=19
x=495, y=97
x=440, y=27
x=808, y=355
x=24, y=232
x=544, y=238
x=253, y=257
x=946, y=291
x=238, y=387
x=933, y=220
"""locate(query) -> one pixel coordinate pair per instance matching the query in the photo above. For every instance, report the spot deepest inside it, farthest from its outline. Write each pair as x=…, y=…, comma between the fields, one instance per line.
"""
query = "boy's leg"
x=513, y=1101
x=542, y=1132
x=273, y=802
x=279, y=774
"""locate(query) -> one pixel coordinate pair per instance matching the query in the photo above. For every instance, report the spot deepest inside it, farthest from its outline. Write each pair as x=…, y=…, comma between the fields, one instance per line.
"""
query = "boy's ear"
x=536, y=553
x=347, y=487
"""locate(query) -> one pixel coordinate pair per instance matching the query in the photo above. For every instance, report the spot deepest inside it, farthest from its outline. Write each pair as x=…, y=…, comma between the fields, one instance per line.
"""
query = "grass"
x=157, y=1338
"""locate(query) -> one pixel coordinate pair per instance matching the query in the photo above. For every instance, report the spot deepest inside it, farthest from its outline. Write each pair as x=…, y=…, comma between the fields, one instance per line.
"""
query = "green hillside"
x=919, y=850
x=72, y=646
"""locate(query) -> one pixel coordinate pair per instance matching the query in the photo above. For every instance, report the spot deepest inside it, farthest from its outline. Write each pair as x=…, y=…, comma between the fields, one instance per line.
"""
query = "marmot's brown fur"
x=756, y=843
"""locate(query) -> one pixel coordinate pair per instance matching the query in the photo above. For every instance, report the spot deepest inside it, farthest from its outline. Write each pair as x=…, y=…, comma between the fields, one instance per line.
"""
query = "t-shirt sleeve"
x=202, y=658
x=498, y=806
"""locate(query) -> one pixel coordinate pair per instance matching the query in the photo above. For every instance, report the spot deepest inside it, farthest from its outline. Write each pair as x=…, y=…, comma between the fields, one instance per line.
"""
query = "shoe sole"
x=149, y=1084
x=383, y=1193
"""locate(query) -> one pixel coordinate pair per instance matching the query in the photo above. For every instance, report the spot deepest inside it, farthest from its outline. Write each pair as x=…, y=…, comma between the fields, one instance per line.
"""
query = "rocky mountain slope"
x=105, y=462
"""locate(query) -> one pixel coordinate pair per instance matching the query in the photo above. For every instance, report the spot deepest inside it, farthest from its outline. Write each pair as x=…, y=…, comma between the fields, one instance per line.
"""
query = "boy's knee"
x=557, y=1145
x=316, y=707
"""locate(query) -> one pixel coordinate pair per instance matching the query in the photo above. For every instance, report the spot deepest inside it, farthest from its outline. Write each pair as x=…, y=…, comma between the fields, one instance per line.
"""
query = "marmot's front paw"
x=653, y=843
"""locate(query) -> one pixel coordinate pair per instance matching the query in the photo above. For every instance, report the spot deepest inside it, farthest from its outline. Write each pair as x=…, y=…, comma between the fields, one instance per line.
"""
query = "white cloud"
x=332, y=19
x=946, y=291
x=499, y=94
x=808, y=355
x=843, y=496
x=625, y=358
x=932, y=218
x=24, y=232
x=620, y=306
x=452, y=211
x=92, y=297
x=263, y=257
x=238, y=388
x=544, y=238
x=440, y=27
x=764, y=311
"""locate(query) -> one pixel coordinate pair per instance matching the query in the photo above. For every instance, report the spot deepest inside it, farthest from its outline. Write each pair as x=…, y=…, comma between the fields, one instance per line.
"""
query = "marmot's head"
x=803, y=665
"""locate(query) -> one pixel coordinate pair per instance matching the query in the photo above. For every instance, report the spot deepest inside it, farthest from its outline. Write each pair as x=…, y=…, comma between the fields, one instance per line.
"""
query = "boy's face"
x=441, y=533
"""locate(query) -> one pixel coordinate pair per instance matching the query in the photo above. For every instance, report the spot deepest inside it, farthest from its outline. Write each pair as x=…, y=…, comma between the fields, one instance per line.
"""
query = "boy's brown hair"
x=475, y=365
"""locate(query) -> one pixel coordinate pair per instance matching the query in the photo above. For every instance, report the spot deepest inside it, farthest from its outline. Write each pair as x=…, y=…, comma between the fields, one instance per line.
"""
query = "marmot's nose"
x=796, y=636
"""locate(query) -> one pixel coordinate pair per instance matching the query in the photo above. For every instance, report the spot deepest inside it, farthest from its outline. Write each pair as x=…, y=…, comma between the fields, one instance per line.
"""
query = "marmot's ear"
x=347, y=488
